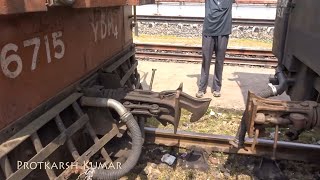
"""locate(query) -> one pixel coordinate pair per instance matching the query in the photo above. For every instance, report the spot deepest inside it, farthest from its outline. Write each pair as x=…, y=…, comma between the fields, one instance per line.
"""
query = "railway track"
x=179, y=53
x=199, y=20
x=220, y=143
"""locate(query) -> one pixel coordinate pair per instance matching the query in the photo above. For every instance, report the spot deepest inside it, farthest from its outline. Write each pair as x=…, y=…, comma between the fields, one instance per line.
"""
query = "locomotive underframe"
x=45, y=134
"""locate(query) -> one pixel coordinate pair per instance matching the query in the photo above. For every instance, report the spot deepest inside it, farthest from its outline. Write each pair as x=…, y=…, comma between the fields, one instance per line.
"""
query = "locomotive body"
x=44, y=52
x=61, y=62
x=296, y=42
x=47, y=49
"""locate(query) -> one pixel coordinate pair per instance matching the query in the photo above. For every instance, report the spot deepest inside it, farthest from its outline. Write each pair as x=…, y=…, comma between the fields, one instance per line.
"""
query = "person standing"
x=217, y=27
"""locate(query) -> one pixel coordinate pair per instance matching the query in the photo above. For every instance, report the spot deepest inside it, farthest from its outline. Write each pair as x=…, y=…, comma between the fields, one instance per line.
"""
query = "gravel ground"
x=220, y=166
x=195, y=30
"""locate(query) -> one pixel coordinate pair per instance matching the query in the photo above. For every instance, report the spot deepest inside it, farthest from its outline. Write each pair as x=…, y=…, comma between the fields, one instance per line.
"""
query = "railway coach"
x=69, y=88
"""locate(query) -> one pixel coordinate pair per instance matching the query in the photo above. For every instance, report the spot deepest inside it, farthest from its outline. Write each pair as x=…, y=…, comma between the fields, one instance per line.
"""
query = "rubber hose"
x=103, y=174
x=133, y=127
x=283, y=84
x=266, y=93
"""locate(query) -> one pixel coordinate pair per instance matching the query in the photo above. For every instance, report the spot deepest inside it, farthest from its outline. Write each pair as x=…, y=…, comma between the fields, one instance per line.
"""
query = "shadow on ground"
x=254, y=82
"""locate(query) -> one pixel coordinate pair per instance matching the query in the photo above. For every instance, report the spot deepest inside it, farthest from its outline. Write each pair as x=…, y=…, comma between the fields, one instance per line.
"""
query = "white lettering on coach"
x=7, y=60
x=104, y=26
x=13, y=58
x=282, y=4
x=36, y=42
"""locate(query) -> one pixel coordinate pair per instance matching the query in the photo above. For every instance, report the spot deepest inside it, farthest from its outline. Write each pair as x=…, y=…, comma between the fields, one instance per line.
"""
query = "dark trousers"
x=218, y=44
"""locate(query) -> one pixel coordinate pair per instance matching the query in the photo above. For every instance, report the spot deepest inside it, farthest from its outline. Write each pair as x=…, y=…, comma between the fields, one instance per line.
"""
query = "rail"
x=199, y=20
x=180, y=53
x=220, y=143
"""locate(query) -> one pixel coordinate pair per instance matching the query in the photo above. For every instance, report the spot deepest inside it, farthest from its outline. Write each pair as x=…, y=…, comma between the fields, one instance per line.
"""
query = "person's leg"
x=207, y=51
x=221, y=43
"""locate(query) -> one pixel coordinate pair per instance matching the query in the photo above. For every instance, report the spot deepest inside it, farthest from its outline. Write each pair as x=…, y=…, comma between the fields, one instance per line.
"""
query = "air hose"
x=133, y=127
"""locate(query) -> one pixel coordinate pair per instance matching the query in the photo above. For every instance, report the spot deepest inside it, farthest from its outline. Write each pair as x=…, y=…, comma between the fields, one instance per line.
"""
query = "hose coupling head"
x=273, y=88
x=126, y=116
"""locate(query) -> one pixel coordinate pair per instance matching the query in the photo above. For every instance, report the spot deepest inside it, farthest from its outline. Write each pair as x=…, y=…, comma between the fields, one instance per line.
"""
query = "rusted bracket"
x=25, y=6
x=165, y=106
x=298, y=115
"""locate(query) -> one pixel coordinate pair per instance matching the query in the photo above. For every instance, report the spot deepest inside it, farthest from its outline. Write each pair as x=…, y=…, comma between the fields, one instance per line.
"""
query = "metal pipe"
x=282, y=81
x=152, y=78
x=276, y=136
x=136, y=28
x=6, y=166
x=133, y=127
x=104, y=102
x=72, y=148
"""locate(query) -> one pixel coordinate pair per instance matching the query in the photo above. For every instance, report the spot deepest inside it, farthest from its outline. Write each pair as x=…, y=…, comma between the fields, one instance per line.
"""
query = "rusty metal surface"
x=98, y=145
x=42, y=53
x=38, y=146
x=80, y=168
x=211, y=142
x=50, y=148
x=165, y=106
x=105, y=3
x=21, y=6
x=9, y=131
x=98, y=3
x=25, y=6
x=18, y=138
x=300, y=115
x=65, y=137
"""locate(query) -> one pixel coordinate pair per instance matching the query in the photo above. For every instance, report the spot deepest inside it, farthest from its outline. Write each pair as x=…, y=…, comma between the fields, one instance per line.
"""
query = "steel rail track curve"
x=193, y=54
x=220, y=143
x=199, y=20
